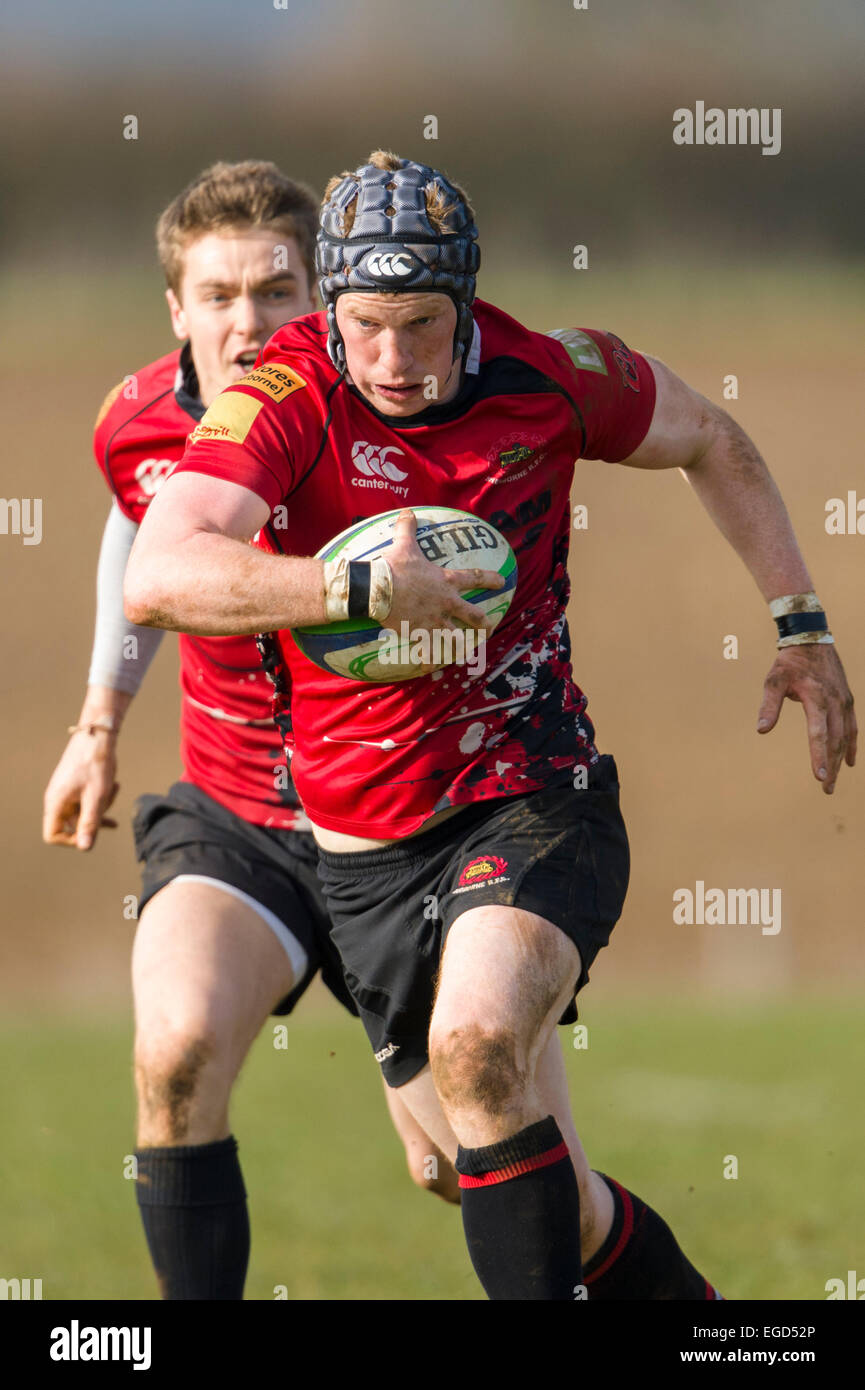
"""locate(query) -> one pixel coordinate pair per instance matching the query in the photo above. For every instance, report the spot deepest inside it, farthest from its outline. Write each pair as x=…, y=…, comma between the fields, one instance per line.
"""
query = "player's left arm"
x=726, y=471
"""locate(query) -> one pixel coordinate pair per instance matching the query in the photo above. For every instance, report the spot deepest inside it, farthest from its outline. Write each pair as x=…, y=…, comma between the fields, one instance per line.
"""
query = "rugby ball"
x=360, y=649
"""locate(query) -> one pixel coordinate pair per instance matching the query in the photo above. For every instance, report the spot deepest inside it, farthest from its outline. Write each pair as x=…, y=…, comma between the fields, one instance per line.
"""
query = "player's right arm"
x=192, y=567
x=83, y=785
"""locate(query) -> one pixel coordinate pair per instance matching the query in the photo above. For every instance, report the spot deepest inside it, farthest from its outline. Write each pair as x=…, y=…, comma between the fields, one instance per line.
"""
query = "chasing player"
x=412, y=787
x=232, y=922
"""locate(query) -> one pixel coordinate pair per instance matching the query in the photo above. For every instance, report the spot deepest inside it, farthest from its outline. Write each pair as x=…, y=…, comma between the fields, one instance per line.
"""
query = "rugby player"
x=232, y=921
x=482, y=792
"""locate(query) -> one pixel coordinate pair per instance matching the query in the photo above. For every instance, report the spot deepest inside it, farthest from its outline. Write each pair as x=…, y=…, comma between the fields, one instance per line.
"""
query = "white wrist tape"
x=337, y=585
x=787, y=608
x=380, y=589
x=336, y=590
x=795, y=603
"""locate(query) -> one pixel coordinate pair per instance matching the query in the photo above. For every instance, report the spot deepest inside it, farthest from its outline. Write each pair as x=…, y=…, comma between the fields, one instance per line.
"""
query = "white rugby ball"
x=361, y=649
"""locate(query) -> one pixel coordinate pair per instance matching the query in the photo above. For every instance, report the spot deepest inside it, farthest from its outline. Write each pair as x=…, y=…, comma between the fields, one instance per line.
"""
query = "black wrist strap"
x=358, y=588
x=791, y=624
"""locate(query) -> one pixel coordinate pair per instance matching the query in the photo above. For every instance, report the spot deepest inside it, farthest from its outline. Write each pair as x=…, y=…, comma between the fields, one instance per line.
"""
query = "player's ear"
x=178, y=317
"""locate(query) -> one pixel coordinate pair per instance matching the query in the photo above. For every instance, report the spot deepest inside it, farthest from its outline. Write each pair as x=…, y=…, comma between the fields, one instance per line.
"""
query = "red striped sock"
x=521, y=1215
x=640, y=1258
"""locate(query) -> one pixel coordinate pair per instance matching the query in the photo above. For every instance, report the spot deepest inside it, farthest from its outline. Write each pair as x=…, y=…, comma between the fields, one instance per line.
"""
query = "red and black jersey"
x=378, y=760
x=230, y=747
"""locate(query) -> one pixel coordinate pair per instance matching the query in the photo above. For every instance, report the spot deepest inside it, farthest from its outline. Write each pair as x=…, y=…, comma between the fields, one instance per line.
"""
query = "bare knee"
x=171, y=1073
x=476, y=1070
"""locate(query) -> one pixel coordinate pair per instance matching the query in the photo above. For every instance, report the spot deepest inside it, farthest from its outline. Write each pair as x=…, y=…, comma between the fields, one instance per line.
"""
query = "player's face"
x=238, y=287
x=399, y=349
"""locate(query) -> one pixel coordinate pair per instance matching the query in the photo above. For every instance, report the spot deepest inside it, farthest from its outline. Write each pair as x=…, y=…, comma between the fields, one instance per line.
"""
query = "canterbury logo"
x=372, y=461
x=389, y=264
x=151, y=473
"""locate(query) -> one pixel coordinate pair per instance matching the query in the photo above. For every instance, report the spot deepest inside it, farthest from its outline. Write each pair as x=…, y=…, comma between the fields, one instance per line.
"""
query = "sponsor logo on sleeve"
x=108, y=403
x=481, y=873
x=274, y=380
x=228, y=420
x=582, y=350
x=624, y=360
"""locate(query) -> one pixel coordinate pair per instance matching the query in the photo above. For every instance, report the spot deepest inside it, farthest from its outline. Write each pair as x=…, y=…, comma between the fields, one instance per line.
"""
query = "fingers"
x=58, y=819
x=406, y=526
x=475, y=579
x=836, y=742
x=773, y=698
x=852, y=738
x=93, y=803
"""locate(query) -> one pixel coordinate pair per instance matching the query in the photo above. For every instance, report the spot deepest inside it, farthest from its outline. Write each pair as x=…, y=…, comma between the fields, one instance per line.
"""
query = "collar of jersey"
x=186, y=388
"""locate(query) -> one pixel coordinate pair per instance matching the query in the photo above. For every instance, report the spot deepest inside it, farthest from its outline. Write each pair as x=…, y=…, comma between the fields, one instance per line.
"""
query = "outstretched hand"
x=812, y=674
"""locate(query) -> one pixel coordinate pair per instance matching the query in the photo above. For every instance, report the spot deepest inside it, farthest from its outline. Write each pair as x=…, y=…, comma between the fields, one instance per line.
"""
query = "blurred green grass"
x=662, y=1094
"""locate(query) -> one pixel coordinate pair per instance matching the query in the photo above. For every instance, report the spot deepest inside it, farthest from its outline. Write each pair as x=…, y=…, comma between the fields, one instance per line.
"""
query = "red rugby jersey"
x=379, y=759
x=230, y=746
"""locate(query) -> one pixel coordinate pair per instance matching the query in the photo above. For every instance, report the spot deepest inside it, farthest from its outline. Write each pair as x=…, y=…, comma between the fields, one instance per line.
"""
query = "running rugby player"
x=413, y=788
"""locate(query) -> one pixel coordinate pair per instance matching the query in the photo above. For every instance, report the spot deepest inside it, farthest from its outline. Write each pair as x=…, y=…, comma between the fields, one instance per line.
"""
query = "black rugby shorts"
x=187, y=832
x=560, y=853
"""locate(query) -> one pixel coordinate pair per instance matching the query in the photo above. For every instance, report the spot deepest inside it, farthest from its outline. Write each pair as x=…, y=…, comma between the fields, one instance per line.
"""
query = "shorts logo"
x=481, y=872
x=274, y=381
x=624, y=360
x=229, y=419
x=386, y=1052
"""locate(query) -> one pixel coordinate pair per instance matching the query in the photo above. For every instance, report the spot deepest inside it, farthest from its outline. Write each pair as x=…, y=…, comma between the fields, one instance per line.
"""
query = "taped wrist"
x=357, y=589
x=800, y=621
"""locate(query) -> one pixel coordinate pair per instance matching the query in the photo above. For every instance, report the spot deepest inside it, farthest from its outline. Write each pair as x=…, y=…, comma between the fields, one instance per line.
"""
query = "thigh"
x=205, y=964
x=186, y=835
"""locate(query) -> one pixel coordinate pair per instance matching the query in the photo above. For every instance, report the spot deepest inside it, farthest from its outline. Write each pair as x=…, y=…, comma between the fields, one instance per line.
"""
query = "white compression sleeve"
x=122, y=651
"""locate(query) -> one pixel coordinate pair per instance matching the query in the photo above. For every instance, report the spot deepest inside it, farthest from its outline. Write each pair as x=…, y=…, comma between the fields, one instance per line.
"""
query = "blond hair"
x=438, y=205
x=253, y=193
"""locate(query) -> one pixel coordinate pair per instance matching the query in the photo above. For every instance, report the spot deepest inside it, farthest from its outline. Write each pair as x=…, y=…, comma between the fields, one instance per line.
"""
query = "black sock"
x=521, y=1214
x=193, y=1206
x=640, y=1258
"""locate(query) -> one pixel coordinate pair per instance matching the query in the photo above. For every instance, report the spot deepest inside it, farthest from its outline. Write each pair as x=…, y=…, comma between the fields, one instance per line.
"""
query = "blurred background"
x=703, y=1041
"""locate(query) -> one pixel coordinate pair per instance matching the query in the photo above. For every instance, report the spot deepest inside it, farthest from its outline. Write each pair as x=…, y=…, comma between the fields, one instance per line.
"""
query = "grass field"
x=663, y=1095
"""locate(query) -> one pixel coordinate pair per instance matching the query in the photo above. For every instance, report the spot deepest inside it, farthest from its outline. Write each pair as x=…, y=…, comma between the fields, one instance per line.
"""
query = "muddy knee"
x=169, y=1079
x=476, y=1069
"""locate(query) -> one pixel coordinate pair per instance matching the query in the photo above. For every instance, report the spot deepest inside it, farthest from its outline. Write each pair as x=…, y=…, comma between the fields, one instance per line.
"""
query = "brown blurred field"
x=656, y=590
